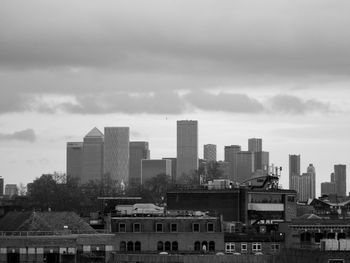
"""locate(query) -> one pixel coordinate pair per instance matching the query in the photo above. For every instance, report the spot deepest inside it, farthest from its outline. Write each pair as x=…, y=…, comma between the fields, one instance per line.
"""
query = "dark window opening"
x=122, y=246
x=160, y=246
x=130, y=246
x=195, y=227
x=211, y=246
x=174, y=246
x=197, y=246
x=137, y=246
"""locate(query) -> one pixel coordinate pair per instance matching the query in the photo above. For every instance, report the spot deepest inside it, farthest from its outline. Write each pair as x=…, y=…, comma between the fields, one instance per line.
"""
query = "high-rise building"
x=245, y=165
x=305, y=184
x=294, y=169
x=332, y=177
x=74, y=159
x=261, y=162
x=209, y=152
x=152, y=168
x=173, y=167
x=340, y=179
x=254, y=145
x=231, y=158
x=92, y=168
x=116, y=154
x=11, y=190
x=187, y=148
x=1, y=186
x=328, y=188
x=138, y=151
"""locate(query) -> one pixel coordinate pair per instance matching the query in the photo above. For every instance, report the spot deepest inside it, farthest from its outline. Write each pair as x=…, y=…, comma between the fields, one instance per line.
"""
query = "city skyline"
x=277, y=70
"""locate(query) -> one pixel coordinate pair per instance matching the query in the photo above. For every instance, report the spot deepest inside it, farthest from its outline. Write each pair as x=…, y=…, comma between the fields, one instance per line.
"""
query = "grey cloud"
x=228, y=102
x=295, y=105
x=164, y=102
x=24, y=135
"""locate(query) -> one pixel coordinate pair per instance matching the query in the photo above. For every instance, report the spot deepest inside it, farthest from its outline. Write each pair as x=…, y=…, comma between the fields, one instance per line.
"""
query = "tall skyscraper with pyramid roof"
x=92, y=161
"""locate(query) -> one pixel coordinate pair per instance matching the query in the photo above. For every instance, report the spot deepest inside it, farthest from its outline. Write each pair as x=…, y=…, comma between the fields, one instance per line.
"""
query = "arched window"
x=212, y=246
x=204, y=246
x=167, y=246
x=130, y=246
x=160, y=246
x=197, y=246
x=174, y=246
x=122, y=247
x=137, y=246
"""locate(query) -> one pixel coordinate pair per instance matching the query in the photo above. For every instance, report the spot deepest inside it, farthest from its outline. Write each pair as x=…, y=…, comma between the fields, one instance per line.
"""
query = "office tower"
x=305, y=184
x=328, y=188
x=173, y=168
x=116, y=154
x=245, y=166
x=340, y=179
x=74, y=159
x=187, y=148
x=254, y=145
x=294, y=169
x=92, y=168
x=152, y=168
x=231, y=158
x=261, y=163
x=1, y=186
x=138, y=151
x=332, y=177
x=209, y=152
x=11, y=190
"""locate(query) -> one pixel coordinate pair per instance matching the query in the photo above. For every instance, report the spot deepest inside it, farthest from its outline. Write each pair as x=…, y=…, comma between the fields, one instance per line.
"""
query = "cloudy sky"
x=279, y=70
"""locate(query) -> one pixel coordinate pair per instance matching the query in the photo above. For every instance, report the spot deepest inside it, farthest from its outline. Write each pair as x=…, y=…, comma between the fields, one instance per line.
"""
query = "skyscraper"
x=245, y=165
x=187, y=147
x=340, y=179
x=92, y=163
x=152, y=168
x=138, y=151
x=328, y=188
x=254, y=145
x=116, y=154
x=1, y=186
x=74, y=159
x=305, y=184
x=231, y=158
x=173, y=167
x=294, y=169
x=261, y=162
x=209, y=152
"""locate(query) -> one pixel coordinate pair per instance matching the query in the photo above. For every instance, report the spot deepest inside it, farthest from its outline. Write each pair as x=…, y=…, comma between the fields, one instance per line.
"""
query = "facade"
x=116, y=154
x=209, y=152
x=231, y=158
x=152, y=168
x=245, y=165
x=92, y=168
x=187, y=148
x=261, y=162
x=74, y=159
x=294, y=169
x=11, y=190
x=138, y=151
x=305, y=184
x=328, y=188
x=255, y=145
x=173, y=167
x=172, y=234
x=340, y=179
x=1, y=186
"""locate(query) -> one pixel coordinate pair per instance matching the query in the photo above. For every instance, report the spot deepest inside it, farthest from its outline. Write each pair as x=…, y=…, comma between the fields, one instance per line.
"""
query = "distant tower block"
x=209, y=152
x=254, y=145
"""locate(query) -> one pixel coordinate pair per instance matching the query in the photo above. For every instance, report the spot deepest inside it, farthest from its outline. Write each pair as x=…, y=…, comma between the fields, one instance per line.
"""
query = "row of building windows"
x=204, y=246
x=166, y=246
x=256, y=247
x=130, y=246
x=159, y=227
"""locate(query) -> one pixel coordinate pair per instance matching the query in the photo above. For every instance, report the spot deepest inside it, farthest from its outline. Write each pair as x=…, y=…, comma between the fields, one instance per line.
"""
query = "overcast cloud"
x=24, y=135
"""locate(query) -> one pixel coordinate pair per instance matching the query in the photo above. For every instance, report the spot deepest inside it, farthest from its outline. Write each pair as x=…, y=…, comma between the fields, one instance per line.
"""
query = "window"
x=122, y=227
x=212, y=246
x=195, y=227
x=137, y=246
x=230, y=247
x=130, y=246
x=197, y=246
x=159, y=227
x=160, y=246
x=210, y=227
x=174, y=246
x=205, y=246
x=291, y=198
x=173, y=227
x=244, y=247
x=256, y=247
x=275, y=247
x=167, y=246
x=122, y=246
x=137, y=227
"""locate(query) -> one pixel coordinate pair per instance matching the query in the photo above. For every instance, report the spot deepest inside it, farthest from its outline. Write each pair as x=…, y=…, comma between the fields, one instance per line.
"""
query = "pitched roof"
x=43, y=221
x=94, y=133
